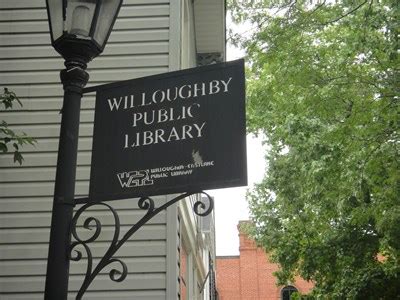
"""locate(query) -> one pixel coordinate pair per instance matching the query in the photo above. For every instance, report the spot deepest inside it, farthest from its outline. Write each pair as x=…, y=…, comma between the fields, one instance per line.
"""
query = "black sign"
x=182, y=131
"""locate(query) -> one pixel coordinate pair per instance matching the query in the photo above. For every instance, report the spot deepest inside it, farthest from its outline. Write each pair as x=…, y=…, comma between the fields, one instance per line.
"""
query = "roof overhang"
x=210, y=26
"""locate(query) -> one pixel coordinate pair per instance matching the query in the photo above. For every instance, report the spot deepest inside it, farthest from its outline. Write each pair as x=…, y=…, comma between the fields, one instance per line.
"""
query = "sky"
x=230, y=204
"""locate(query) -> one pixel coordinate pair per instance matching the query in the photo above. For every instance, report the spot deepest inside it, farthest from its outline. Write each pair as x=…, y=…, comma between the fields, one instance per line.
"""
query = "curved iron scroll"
x=146, y=203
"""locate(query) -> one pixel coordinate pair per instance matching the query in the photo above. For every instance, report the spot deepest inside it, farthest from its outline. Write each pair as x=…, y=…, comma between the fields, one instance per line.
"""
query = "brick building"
x=249, y=276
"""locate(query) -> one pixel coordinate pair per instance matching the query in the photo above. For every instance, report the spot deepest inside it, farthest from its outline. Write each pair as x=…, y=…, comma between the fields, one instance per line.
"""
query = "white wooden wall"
x=145, y=41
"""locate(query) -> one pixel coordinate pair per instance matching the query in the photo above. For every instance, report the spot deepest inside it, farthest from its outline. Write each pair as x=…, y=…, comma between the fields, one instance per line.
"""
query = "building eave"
x=210, y=30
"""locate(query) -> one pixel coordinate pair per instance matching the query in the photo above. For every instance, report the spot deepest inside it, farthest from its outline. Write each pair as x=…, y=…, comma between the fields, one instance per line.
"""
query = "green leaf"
x=3, y=147
x=8, y=135
x=18, y=157
x=323, y=90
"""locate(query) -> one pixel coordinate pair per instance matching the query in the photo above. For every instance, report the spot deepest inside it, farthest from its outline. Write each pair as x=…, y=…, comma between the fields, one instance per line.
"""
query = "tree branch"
x=345, y=15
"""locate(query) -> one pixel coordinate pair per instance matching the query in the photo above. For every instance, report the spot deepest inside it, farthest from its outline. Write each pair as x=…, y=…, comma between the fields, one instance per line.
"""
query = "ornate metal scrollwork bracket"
x=146, y=203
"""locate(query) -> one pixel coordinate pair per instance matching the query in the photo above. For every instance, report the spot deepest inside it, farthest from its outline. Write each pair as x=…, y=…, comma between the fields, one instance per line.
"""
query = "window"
x=287, y=291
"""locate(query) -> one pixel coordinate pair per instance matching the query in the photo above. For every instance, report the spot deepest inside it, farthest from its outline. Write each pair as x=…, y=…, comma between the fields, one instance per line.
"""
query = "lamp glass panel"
x=107, y=14
x=55, y=18
x=80, y=16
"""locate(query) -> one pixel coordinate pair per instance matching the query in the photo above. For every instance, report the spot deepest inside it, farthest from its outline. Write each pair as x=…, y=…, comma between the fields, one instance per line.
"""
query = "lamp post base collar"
x=74, y=77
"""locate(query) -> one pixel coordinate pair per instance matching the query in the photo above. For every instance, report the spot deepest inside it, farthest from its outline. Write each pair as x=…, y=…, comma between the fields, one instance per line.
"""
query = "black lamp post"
x=79, y=31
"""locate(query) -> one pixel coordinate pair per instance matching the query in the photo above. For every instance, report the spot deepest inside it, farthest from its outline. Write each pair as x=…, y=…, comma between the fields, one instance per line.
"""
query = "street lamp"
x=79, y=31
x=80, y=28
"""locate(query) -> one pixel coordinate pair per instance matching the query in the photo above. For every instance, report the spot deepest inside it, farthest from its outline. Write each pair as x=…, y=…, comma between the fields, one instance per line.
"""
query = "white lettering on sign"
x=188, y=111
x=164, y=115
x=182, y=92
x=145, y=138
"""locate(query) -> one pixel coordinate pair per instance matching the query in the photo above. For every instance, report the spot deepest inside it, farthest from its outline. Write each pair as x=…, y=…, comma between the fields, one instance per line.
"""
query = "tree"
x=9, y=136
x=323, y=88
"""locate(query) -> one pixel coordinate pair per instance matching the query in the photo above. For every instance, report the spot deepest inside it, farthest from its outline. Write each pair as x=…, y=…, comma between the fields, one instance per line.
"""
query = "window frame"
x=288, y=289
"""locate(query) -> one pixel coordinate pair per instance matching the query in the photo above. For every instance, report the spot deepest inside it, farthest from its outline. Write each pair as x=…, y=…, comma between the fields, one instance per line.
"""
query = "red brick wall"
x=228, y=281
x=249, y=275
x=183, y=274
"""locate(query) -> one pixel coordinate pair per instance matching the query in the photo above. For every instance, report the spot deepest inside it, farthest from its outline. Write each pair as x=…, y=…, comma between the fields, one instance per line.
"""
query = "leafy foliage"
x=9, y=136
x=324, y=90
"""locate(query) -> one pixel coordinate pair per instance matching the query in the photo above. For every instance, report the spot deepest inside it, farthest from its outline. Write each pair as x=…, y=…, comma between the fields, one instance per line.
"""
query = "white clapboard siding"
x=38, y=4
x=42, y=92
x=123, y=48
x=35, y=174
x=50, y=130
x=126, y=36
x=140, y=45
x=117, y=295
x=43, y=204
x=96, y=76
x=40, y=117
x=42, y=159
x=40, y=14
x=43, y=103
x=38, y=267
x=102, y=283
x=104, y=63
x=42, y=26
x=50, y=145
x=39, y=251
x=41, y=235
x=18, y=220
